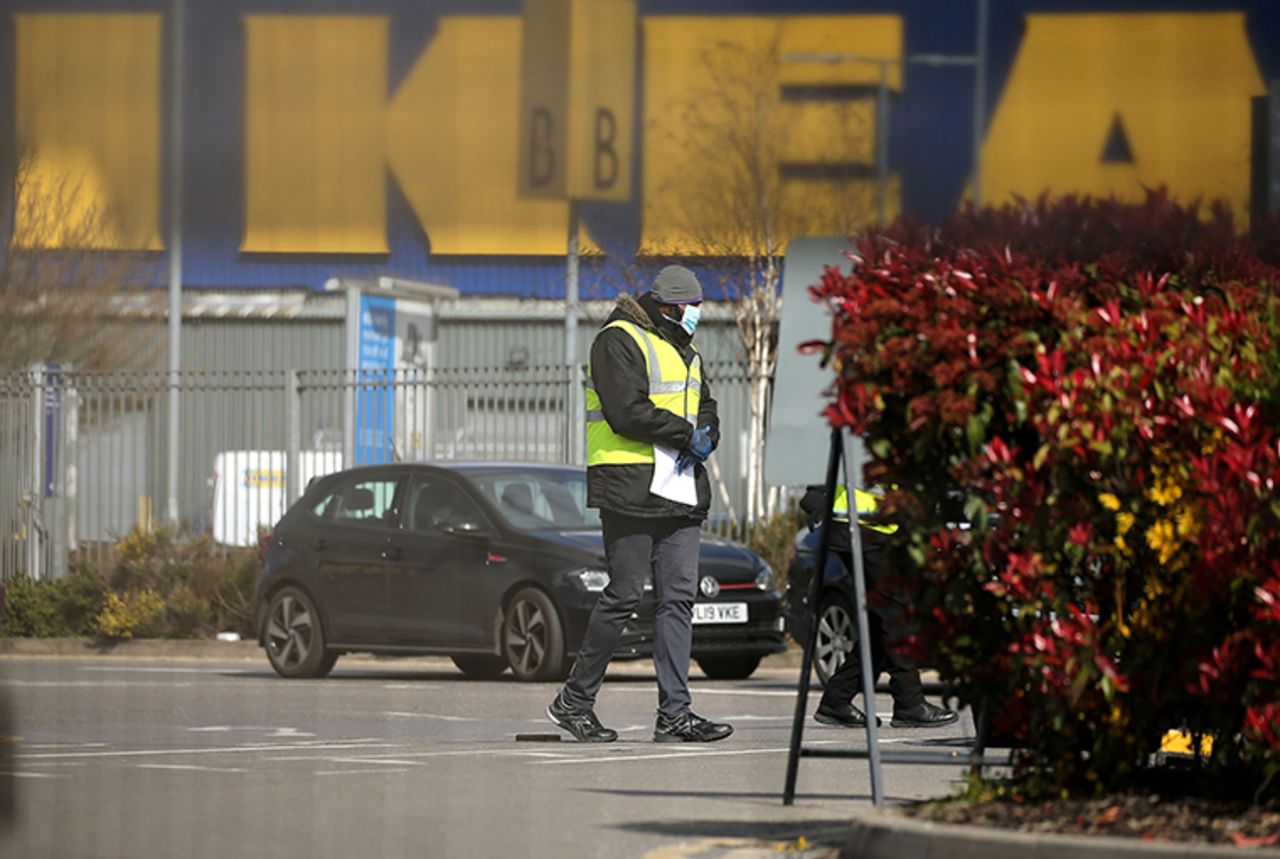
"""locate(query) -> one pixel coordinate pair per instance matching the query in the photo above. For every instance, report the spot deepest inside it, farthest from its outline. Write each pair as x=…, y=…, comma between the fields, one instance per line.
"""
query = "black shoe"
x=583, y=724
x=847, y=716
x=923, y=715
x=689, y=728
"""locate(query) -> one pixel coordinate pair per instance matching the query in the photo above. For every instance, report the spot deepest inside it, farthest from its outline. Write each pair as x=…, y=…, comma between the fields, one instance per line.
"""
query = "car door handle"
x=320, y=545
x=395, y=553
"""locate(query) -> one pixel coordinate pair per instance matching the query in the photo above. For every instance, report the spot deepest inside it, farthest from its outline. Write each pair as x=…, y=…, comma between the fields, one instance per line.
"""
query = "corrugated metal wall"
x=235, y=344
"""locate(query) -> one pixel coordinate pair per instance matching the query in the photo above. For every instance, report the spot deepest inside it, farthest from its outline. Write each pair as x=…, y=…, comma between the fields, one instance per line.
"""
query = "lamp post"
x=177, y=26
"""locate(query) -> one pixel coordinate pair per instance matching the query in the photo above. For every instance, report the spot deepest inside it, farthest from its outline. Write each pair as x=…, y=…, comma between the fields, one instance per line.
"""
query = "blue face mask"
x=689, y=322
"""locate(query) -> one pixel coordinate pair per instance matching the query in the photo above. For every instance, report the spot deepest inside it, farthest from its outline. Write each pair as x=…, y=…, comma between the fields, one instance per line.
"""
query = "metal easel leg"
x=815, y=590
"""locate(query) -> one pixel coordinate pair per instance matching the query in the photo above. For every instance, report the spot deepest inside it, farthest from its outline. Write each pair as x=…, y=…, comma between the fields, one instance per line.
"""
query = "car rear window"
x=368, y=500
x=536, y=501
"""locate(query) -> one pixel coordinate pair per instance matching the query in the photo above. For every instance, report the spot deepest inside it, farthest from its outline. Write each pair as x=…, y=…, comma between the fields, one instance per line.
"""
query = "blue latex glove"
x=698, y=450
x=700, y=444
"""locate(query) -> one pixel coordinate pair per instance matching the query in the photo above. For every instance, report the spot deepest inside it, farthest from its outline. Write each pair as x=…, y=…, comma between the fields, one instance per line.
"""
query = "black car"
x=495, y=565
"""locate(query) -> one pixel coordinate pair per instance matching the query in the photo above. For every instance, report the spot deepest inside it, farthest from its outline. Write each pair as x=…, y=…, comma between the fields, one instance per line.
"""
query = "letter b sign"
x=577, y=99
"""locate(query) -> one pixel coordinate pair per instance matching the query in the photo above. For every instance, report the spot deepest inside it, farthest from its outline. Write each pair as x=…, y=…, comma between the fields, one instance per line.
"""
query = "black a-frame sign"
x=796, y=430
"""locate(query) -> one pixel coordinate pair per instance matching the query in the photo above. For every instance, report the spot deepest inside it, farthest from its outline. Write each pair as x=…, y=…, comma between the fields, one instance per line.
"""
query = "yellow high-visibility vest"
x=672, y=386
x=867, y=504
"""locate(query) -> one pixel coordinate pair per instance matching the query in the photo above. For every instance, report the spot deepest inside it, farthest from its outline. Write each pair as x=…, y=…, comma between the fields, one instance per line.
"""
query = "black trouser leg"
x=628, y=546
x=886, y=618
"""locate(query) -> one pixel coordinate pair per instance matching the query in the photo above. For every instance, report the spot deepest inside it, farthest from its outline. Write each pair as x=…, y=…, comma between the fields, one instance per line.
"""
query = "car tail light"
x=265, y=541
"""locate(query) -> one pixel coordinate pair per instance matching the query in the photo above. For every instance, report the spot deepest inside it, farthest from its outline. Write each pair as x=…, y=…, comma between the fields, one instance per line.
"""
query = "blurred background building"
x=237, y=156
x=378, y=137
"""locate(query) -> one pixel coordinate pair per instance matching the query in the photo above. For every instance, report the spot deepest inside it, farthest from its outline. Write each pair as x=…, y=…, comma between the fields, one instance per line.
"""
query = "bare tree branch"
x=62, y=296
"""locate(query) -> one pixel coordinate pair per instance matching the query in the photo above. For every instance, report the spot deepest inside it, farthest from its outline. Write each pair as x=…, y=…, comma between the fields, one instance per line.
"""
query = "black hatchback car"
x=494, y=565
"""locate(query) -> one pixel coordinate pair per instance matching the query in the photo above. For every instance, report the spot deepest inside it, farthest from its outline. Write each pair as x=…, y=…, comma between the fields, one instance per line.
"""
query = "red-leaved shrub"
x=1098, y=382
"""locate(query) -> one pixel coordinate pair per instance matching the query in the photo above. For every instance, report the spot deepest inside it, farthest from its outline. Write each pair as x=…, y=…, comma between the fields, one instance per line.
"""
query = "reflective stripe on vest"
x=867, y=503
x=672, y=386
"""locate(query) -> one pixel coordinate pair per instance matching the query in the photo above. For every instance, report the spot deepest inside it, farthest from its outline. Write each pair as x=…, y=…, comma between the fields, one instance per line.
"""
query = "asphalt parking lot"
x=138, y=758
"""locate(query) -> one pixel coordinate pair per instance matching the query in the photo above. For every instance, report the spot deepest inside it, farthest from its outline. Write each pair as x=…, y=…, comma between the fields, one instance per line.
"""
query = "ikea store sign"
x=392, y=133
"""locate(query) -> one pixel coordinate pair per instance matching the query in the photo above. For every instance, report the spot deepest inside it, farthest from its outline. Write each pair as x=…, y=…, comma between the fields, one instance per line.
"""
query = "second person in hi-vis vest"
x=646, y=387
x=886, y=617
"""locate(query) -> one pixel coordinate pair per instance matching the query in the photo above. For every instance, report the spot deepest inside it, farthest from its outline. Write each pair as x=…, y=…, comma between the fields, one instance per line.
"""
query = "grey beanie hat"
x=675, y=284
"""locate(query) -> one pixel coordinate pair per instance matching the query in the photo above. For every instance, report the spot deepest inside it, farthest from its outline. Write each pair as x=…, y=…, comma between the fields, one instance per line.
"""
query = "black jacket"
x=622, y=383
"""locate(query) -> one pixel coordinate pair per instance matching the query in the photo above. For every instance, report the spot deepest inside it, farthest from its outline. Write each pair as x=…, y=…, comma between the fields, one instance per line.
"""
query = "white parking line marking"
x=420, y=758
x=209, y=751
x=152, y=670
x=358, y=772
x=692, y=753
x=192, y=767
x=440, y=716
x=699, y=690
x=274, y=731
x=88, y=684
x=63, y=745
x=414, y=686
x=17, y=774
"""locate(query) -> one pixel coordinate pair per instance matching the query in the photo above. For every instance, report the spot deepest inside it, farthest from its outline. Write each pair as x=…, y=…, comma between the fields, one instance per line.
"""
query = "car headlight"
x=593, y=580
x=765, y=578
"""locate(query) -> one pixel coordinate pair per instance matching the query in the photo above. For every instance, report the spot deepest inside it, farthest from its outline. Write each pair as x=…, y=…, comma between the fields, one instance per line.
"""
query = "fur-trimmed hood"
x=629, y=308
x=643, y=311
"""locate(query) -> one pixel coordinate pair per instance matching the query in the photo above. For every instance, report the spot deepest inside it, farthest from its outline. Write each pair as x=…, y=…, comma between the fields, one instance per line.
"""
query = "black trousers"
x=634, y=546
x=887, y=619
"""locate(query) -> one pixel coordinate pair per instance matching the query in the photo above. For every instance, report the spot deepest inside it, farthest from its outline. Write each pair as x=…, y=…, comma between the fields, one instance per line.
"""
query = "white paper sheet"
x=670, y=484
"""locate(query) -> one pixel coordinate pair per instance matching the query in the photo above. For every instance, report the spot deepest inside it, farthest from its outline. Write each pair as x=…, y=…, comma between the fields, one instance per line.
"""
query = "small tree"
x=62, y=298
x=736, y=212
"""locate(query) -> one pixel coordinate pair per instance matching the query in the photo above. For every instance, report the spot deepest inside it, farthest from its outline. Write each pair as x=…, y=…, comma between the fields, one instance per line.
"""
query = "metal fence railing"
x=83, y=456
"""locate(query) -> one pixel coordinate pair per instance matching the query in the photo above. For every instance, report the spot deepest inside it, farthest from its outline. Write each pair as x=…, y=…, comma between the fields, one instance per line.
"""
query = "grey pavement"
x=143, y=753
x=195, y=748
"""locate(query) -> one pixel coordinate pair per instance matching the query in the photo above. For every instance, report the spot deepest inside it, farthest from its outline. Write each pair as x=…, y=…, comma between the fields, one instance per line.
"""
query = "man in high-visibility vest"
x=647, y=402
x=885, y=618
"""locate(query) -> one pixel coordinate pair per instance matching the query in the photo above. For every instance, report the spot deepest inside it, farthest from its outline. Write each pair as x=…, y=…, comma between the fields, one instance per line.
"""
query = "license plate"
x=719, y=612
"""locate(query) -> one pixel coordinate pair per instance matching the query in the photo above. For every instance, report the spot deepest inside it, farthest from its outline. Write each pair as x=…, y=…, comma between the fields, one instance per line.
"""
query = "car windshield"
x=540, y=500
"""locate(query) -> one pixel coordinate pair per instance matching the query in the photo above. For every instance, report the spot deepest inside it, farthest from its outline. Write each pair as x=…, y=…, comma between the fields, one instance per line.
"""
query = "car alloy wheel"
x=294, y=638
x=532, y=637
x=835, y=636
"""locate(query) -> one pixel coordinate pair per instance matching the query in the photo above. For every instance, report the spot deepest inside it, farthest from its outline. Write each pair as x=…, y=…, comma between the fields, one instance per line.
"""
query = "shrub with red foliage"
x=1099, y=381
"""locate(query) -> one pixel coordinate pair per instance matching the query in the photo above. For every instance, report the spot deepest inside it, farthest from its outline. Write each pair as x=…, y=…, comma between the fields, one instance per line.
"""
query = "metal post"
x=852, y=477
x=293, y=438
x=175, y=251
x=430, y=351
x=71, y=486
x=33, y=496
x=351, y=369
x=815, y=591
x=574, y=427
x=979, y=99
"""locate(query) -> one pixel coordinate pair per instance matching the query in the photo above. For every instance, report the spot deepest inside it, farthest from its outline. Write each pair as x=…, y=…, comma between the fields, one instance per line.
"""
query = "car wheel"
x=835, y=636
x=294, y=638
x=532, y=638
x=480, y=667
x=728, y=667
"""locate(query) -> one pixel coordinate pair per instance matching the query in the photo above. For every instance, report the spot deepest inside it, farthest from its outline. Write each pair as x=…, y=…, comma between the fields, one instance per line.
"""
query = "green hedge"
x=161, y=583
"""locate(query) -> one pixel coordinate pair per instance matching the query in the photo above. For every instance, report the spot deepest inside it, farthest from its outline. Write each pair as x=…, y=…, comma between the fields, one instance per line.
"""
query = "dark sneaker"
x=847, y=716
x=583, y=724
x=923, y=715
x=689, y=728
